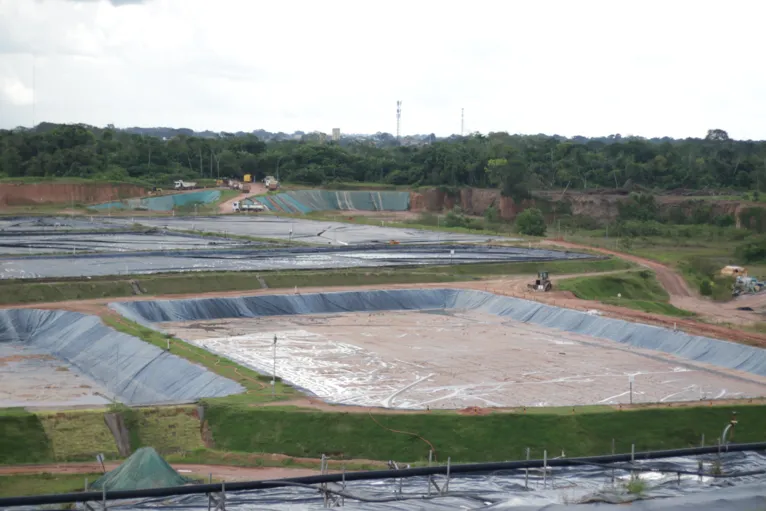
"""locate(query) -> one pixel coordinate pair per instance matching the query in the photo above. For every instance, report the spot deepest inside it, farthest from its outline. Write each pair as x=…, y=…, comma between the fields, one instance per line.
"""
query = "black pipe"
x=472, y=468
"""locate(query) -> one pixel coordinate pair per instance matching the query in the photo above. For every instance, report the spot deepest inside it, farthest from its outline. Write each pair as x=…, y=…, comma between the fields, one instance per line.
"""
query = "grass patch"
x=24, y=291
x=494, y=437
x=43, y=484
x=22, y=438
x=636, y=486
x=639, y=285
x=638, y=290
x=169, y=429
x=78, y=435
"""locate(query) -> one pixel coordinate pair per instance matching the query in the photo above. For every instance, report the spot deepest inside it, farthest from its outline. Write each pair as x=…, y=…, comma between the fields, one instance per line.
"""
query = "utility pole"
x=274, y=372
x=398, y=119
x=34, y=90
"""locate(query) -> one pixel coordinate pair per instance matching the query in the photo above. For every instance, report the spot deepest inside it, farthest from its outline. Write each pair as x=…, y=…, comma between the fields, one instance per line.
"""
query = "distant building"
x=336, y=134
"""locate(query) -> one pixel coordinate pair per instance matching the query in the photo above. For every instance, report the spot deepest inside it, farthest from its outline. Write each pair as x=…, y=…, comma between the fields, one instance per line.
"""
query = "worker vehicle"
x=271, y=183
x=239, y=206
x=747, y=286
x=185, y=185
x=543, y=282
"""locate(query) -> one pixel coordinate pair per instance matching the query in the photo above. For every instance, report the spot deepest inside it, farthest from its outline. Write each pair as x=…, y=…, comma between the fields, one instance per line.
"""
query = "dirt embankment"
x=60, y=193
x=473, y=201
x=602, y=206
x=219, y=472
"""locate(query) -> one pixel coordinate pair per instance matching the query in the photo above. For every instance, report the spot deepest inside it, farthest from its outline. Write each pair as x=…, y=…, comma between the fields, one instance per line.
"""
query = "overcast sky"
x=571, y=67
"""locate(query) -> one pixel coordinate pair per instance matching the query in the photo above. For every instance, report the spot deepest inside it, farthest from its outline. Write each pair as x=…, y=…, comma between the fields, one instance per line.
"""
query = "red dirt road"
x=219, y=472
x=255, y=189
x=682, y=296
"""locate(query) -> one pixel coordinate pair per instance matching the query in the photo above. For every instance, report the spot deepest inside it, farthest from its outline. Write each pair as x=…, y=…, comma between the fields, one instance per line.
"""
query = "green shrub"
x=706, y=288
x=753, y=250
x=531, y=222
x=455, y=218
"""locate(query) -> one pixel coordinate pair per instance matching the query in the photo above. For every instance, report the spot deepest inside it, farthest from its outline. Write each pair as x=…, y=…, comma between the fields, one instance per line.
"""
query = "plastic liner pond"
x=163, y=202
x=685, y=346
x=113, y=241
x=53, y=223
x=306, y=201
x=263, y=259
x=135, y=371
x=310, y=231
x=667, y=484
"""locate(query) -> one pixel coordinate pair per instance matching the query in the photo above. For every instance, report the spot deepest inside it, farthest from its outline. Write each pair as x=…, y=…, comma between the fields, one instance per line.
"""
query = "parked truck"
x=240, y=206
x=271, y=183
x=185, y=185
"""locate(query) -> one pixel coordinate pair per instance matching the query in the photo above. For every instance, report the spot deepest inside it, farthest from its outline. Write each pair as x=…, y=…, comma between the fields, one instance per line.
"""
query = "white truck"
x=247, y=206
x=185, y=185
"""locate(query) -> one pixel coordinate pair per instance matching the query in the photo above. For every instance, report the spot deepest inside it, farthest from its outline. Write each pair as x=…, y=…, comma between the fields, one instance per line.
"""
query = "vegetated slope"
x=494, y=437
x=638, y=290
x=360, y=436
x=22, y=438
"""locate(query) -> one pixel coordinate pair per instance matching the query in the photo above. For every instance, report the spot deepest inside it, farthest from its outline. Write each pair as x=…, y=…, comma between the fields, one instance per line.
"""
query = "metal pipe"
x=472, y=468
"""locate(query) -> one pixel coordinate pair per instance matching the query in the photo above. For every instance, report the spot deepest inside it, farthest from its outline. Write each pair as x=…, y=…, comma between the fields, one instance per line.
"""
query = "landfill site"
x=403, y=349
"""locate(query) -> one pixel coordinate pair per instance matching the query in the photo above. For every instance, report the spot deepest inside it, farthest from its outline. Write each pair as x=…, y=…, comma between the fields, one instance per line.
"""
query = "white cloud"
x=16, y=93
x=590, y=67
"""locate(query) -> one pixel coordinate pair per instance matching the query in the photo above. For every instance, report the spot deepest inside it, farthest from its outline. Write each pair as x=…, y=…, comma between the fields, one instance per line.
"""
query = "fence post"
x=446, y=485
x=526, y=472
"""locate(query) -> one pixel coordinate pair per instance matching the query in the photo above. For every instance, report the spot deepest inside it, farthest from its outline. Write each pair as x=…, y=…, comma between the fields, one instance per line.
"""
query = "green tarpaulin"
x=143, y=470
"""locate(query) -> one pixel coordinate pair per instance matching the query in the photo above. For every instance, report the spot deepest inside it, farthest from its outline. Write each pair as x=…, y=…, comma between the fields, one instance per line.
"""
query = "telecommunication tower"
x=462, y=121
x=398, y=118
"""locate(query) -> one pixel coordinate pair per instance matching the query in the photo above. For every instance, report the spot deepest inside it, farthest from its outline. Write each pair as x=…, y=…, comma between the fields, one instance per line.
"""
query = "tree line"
x=513, y=163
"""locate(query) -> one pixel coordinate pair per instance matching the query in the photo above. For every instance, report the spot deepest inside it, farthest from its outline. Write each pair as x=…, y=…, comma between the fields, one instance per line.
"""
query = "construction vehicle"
x=543, y=283
x=185, y=185
x=248, y=178
x=747, y=286
x=247, y=205
x=271, y=183
x=733, y=271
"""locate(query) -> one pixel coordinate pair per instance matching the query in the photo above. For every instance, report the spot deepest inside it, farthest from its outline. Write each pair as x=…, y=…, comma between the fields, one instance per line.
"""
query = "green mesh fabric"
x=143, y=470
x=164, y=202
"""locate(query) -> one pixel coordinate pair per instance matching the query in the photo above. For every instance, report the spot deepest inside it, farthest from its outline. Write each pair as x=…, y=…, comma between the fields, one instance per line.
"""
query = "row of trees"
x=514, y=163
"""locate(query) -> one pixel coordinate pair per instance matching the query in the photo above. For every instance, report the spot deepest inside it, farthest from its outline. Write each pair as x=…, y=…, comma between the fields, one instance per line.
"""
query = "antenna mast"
x=34, y=89
x=398, y=118
x=462, y=121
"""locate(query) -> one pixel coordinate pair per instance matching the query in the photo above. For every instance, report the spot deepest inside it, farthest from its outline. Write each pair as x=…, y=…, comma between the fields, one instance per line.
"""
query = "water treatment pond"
x=454, y=359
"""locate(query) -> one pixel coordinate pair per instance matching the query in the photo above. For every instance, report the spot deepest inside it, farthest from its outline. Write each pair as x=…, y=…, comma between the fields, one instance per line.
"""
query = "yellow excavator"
x=543, y=283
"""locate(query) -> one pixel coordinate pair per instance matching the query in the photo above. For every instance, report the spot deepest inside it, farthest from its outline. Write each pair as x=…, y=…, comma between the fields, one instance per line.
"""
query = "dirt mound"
x=59, y=193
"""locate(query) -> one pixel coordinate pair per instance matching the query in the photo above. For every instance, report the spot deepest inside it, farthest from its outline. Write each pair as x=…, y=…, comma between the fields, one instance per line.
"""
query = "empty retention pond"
x=46, y=345
x=448, y=348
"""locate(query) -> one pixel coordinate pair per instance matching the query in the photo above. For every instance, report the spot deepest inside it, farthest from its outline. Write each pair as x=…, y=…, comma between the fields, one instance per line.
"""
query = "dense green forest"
x=514, y=163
